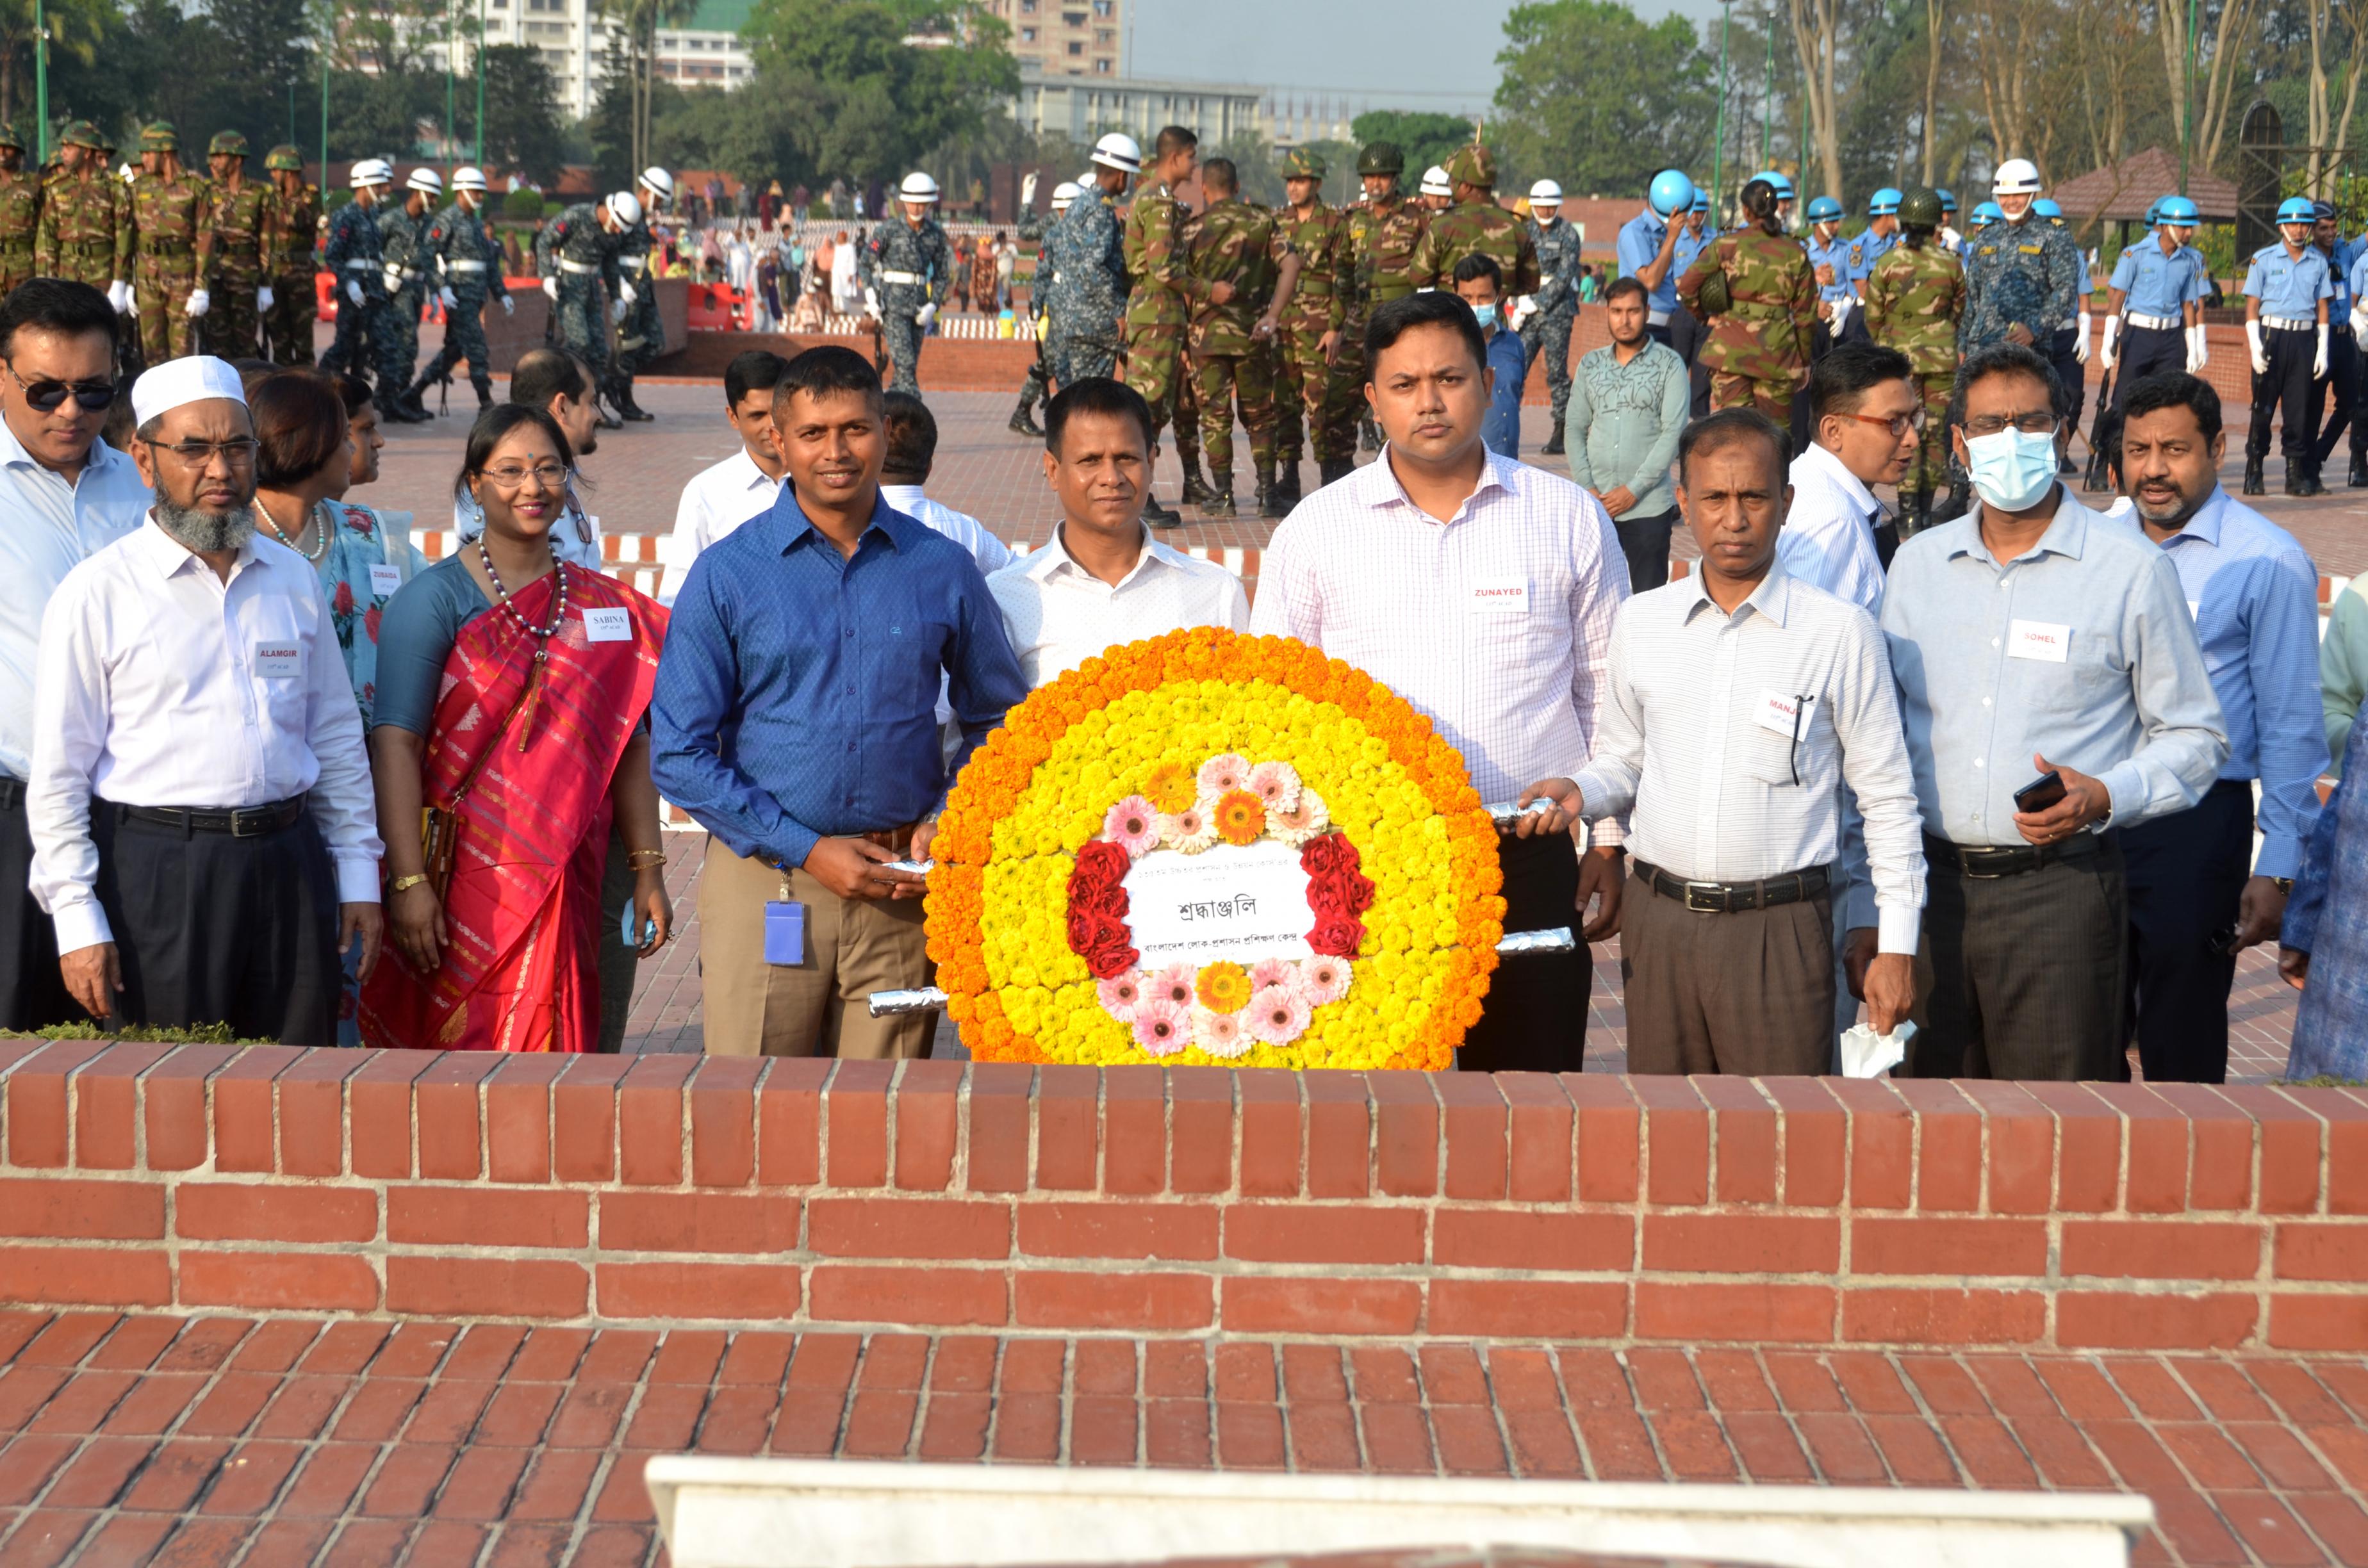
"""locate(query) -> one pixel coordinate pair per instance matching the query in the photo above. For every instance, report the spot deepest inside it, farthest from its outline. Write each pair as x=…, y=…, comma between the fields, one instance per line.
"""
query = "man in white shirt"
x=742, y=486
x=65, y=494
x=203, y=830
x=1740, y=701
x=1103, y=580
x=1866, y=418
x=1483, y=592
x=912, y=435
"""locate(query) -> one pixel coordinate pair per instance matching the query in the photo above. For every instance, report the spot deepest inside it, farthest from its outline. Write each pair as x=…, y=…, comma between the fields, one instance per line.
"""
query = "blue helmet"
x=2297, y=210
x=1883, y=203
x=1948, y=201
x=1783, y=185
x=1989, y=212
x=1701, y=200
x=1670, y=193
x=2154, y=213
x=2046, y=207
x=2175, y=210
x=1824, y=209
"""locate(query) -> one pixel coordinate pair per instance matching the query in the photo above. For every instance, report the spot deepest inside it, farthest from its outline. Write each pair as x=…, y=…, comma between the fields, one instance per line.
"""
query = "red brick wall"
x=1199, y=1201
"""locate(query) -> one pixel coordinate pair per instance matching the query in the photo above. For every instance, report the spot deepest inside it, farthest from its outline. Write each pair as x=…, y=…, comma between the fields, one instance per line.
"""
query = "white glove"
x=551, y=290
x=197, y=304
x=870, y=302
x=264, y=297
x=2198, y=354
x=2253, y=340
x=927, y=314
x=393, y=276
x=625, y=293
x=510, y=306
x=2080, y=343
x=2360, y=323
x=1841, y=314
x=118, y=294
x=2108, y=353
x=2318, y=360
x=617, y=311
x=1028, y=190
x=452, y=301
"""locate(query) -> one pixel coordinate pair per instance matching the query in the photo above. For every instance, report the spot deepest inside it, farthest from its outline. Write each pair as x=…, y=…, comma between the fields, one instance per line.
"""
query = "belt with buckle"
x=2288, y=324
x=464, y=266
x=634, y=263
x=914, y=278
x=245, y=822
x=1987, y=863
x=12, y=793
x=2153, y=323
x=579, y=266
x=899, y=839
x=1733, y=898
x=361, y=266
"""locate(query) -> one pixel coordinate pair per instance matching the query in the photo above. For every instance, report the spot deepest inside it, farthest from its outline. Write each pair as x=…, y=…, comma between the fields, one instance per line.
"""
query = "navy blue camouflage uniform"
x=641, y=336
x=464, y=260
x=906, y=266
x=1082, y=278
x=352, y=254
x=575, y=248
x=1549, y=325
x=399, y=238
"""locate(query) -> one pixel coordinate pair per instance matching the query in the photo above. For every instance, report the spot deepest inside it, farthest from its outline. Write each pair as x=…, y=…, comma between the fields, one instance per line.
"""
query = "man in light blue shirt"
x=2153, y=310
x=1694, y=235
x=2340, y=385
x=2286, y=290
x=2032, y=637
x=1829, y=261
x=65, y=494
x=1882, y=233
x=1648, y=247
x=2255, y=597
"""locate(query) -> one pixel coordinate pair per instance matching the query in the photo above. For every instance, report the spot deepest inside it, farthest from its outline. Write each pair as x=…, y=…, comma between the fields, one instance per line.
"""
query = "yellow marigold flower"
x=1223, y=987
x=1169, y=787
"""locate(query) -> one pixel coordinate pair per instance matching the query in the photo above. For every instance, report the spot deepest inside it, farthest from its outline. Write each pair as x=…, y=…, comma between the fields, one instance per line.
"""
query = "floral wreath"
x=1147, y=751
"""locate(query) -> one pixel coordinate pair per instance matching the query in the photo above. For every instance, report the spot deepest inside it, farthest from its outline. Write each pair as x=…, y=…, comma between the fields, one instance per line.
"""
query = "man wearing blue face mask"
x=1480, y=283
x=2050, y=687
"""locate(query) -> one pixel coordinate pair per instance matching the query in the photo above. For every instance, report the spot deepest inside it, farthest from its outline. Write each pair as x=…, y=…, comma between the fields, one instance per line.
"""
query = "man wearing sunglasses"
x=66, y=494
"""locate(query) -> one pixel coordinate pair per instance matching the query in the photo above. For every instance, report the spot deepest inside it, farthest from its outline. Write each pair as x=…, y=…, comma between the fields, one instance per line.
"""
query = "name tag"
x=385, y=579
x=1501, y=595
x=2037, y=639
x=607, y=625
x=1786, y=715
x=278, y=661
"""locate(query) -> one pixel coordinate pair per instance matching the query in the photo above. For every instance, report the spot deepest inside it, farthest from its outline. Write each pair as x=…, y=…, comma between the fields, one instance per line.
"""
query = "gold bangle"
x=404, y=884
x=634, y=858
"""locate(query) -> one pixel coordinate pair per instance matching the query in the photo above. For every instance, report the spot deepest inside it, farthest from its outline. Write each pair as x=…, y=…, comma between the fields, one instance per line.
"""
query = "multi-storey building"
x=1065, y=37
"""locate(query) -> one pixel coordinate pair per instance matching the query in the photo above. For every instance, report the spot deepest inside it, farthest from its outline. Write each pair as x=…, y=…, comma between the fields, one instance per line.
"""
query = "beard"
x=209, y=533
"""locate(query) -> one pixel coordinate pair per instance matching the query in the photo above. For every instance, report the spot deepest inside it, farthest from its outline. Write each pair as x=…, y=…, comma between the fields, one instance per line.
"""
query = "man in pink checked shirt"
x=1483, y=592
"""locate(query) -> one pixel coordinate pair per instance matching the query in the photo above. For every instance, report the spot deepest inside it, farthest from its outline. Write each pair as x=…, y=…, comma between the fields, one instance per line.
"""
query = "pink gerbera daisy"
x=1173, y=986
x=1277, y=1015
x=1323, y=979
x=1218, y=1034
x=1275, y=783
x=1133, y=824
x=1273, y=972
x=1303, y=820
x=1119, y=995
x=1230, y=770
x=1161, y=1026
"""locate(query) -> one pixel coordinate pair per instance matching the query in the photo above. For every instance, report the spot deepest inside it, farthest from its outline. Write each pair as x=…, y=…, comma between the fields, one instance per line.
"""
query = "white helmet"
x=468, y=179
x=1545, y=193
x=1120, y=151
x=427, y=180
x=627, y=206
x=1065, y=193
x=371, y=170
x=659, y=183
x=1434, y=182
x=2016, y=176
x=918, y=187
x=1086, y=178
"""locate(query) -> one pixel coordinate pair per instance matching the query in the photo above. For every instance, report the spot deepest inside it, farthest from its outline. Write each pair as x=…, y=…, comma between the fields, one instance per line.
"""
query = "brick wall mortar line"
x=1651, y=1432
x=2324, y=1204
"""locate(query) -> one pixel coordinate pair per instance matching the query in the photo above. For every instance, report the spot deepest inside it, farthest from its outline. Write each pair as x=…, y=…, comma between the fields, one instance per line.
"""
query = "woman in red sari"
x=511, y=693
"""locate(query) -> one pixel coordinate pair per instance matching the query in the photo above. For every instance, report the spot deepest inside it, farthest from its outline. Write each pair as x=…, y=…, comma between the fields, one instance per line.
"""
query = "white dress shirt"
x=716, y=501
x=1828, y=535
x=1495, y=623
x=1694, y=742
x=991, y=553
x=1058, y=615
x=49, y=528
x=161, y=685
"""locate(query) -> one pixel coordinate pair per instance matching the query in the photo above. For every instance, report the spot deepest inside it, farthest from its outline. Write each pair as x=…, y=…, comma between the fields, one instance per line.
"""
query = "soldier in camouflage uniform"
x=20, y=212
x=1914, y=298
x=243, y=259
x=1312, y=387
x=1383, y=231
x=352, y=256
x=402, y=236
x=467, y=265
x=641, y=333
x=1475, y=223
x=576, y=255
x=84, y=232
x=1554, y=309
x=1081, y=277
x=294, y=216
x=1233, y=355
x=1758, y=346
x=174, y=246
x=1159, y=306
x=907, y=269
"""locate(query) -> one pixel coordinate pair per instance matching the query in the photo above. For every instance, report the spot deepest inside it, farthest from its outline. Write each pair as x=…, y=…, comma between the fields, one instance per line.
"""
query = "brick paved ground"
x=215, y=1440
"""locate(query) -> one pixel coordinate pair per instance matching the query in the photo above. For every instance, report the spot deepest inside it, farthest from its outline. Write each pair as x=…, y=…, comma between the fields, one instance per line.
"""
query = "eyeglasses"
x=2041, y=423
x=237, y=453
x=1900, y=425
x=46, y=395
x=510, y=476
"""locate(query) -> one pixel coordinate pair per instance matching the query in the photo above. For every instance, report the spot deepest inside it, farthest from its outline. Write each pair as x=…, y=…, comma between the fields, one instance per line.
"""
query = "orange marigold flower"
x=1169, y=787
x=1240, y=816
x=1223, y=987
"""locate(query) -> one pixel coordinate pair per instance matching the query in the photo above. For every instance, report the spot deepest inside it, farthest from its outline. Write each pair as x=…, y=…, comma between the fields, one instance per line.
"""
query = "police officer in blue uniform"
x=1873, y=244
x=1947, y=233
x=1782, y=186
x=2341, y=386
x=2286, y=292
x=2154, y=313
x=1686, y=333
x=1694, y=235
x=1989, y=212
x=1648, y=247
x=1829, y=261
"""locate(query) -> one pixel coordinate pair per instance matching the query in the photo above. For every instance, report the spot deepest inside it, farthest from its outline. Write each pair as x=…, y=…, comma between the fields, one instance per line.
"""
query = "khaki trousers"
x=853, y=948
x=1750, y=993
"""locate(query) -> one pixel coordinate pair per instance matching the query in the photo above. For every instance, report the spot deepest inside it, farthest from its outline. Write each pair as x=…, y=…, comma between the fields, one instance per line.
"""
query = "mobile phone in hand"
x=2040, y=793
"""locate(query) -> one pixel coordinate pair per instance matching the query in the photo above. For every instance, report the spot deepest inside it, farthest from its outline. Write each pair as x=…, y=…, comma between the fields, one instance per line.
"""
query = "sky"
x=1360, y=47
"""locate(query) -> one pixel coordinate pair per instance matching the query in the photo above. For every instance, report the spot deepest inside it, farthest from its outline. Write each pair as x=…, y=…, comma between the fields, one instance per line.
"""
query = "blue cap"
x=1783, y=185
x=1883, y=203
x=2322, y=211
x=1989, y=212
x=1670, y=193
x=1701, y=200
x=2046, y=207
x=2175, y=210
x=1948, y=198
x=1824, y=209
x=2297, y=210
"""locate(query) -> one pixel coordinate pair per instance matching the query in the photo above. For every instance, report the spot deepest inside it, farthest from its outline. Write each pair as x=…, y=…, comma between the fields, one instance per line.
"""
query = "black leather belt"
x=246, y=821
x=1984, y=862
x=1734, y=898
x=12, y=793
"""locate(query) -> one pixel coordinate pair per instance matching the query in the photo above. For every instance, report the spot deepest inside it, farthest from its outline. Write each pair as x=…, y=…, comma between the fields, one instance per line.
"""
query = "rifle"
x=2098, y=476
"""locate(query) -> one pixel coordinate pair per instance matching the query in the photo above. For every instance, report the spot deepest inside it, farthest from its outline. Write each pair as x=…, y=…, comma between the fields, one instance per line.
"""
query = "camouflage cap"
x=1920, y=207
x=80, y=133
x=229, y=141
x=285, y=156
x=8, y=137
x=1381, y=158
x=1474, y=165
x=158, y=136
x=1302, y=164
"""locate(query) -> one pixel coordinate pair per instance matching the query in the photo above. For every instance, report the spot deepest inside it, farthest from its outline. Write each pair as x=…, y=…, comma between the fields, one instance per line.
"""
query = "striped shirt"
x=1495, y=623
x=1698, y=741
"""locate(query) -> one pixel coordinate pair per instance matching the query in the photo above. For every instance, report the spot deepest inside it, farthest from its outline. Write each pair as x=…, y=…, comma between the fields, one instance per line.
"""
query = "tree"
x=882, y=81
x=76, y=28
x=2330, y=127
x=522, y=128
x=1598, y=98
x=2228, y=26
x=1425, y=139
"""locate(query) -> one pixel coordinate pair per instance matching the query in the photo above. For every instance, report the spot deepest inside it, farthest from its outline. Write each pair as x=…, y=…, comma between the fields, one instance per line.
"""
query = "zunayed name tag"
x=1501, y=595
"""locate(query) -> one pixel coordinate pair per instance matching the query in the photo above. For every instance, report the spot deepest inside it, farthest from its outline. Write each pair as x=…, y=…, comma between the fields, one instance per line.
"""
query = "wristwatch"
x=2283, y=884
x=404, y=884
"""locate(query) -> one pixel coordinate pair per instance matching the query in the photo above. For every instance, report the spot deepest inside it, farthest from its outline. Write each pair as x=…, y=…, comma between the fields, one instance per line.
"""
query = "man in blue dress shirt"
x=1882, y=233
x=795, y=718
x=2153, y=310
x=1830, y=260
x=1480, y=283
x=1648, y=247
x=2286, y=290
x=2194, y=906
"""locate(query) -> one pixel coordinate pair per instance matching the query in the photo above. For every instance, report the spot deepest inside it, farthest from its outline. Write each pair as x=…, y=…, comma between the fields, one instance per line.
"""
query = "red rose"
x=1360, y=891
x=1082, y=930
x=1320, y=856
x=1105, y=903
x=1325, y=897
x=1337, y=938
x=1113, y=956
x=344, y=602
x=1099, y=864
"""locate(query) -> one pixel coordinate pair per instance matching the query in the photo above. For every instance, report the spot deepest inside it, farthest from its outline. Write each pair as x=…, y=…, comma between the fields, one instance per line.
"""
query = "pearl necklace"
x=542, y=635
x=313, y=554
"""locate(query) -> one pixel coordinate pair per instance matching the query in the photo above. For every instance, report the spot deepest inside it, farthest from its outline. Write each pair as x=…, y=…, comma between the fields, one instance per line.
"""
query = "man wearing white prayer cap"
x=204, y=836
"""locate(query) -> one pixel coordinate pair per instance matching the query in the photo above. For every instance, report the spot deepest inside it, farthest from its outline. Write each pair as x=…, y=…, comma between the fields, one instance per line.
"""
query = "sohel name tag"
x=278, y=661
x=2038, y=640
x=1500, y=596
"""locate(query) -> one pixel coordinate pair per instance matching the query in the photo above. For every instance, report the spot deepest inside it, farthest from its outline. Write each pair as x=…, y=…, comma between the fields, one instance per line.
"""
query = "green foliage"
x=199, y=1034
x=522, y=128
x=1599, y=99
x=522, y=206
x=1427, y=139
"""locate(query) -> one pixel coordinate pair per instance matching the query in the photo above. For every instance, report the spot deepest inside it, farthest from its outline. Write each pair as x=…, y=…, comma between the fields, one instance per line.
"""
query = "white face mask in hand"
x=2010, y=470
